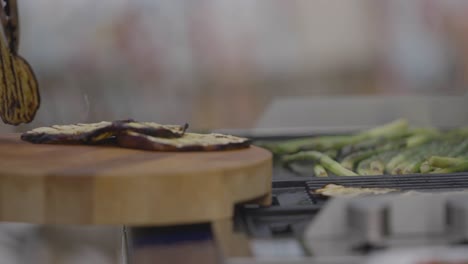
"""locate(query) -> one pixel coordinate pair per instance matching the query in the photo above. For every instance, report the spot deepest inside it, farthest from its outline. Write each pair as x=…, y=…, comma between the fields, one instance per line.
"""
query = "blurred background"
x=220, y=63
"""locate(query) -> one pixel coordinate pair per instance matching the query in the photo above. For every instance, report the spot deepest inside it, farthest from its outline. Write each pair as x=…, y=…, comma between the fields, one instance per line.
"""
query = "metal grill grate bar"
x=411, y=182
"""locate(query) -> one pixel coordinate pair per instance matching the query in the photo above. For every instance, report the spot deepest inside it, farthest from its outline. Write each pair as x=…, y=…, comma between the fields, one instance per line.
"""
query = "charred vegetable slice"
x=151, y=128
x=189, y=142
x=93, y=133
x=70, y=134
x=333, y=190
x=19, y=90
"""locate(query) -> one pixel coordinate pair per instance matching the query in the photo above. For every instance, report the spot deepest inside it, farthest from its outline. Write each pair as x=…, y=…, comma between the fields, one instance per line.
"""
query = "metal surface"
x=439, y=182
x=366, y=227
x=389, y=221
x=294, y=203
x=367, y=222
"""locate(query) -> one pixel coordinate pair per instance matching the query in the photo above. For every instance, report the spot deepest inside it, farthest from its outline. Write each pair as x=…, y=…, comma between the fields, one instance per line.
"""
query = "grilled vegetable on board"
x=93, y=133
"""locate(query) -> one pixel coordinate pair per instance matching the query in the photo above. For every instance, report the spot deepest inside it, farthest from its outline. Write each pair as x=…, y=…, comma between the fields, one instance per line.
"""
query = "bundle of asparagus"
x=394, y=148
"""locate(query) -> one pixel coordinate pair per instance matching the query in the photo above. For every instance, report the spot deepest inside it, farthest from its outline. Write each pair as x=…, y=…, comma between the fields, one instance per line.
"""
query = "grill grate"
x=407, y=182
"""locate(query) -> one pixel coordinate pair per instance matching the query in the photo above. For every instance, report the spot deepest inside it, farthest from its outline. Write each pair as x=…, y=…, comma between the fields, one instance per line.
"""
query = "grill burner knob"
x=367, y=222
x=457, y=219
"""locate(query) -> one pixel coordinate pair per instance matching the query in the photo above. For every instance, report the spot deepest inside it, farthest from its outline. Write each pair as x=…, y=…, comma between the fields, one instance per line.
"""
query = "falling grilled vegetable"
x=19, y=92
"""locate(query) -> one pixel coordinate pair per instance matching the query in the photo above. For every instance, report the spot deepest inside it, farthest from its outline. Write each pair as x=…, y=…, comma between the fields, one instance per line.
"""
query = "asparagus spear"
x=413, y=145
x=461, y=167
x=421, y=138
x=301, y=168
x=400, y=158
x=399, y=137
x=363, y=167
x=316, y=143
x=440, y=162
x=375, y=165
x=332, y=153
x=304, y=167
x=413, y=164
x=387, y=130
x=351, y=160
x=324, y=160
x=319, y=171
x=361, y=146
x=442, y=147
x=371, y=167
x=445, y=162
x=461, y=132
x=425, y=167
x=460, y=149
x=336, y=142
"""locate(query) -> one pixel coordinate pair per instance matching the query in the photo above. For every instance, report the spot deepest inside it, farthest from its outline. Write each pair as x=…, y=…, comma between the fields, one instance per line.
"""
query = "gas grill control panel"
x=358, y=225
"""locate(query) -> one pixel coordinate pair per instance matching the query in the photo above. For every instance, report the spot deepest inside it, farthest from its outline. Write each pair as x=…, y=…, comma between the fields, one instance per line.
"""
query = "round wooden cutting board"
x=59, y=184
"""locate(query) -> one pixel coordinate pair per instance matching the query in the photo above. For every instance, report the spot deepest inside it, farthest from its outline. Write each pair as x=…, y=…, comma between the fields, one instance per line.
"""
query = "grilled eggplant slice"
x=94, y=133
x=188, y=142
x=333, y=190
x=19, y=92
x=151, y=129
x=336, y=190
x=70, y=134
